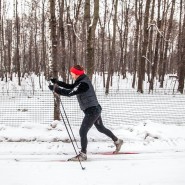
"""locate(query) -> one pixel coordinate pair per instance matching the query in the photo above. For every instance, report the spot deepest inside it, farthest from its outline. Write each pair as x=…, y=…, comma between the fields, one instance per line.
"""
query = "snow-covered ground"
x=33, y=153
x=161, y=158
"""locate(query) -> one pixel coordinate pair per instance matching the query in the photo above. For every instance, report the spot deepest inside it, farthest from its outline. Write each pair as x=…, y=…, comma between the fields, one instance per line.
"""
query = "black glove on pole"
x=51, y=87
x=54, y=80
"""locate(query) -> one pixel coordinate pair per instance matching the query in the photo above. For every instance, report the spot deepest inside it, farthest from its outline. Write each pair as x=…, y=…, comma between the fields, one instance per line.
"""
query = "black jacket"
x=82, y=88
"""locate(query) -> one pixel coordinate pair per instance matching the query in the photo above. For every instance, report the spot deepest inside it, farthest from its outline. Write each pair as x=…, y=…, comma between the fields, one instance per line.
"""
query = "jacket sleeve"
x=78, y=89
x=65, y=85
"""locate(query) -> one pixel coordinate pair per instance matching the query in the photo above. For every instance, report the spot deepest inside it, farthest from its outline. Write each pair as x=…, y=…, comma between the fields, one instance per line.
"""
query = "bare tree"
x=1, y=49
x=54, y=66
x=91, y=27
x=76, y=37
x=102, y=25
x=8, y=34
x=62, y=38
x=138, y=10
x=17, y=54
x=156, y=53
x=43, y=40
x=144, y=48
x=181, y=53
x=125, y=38
x=151, y=42
x=36, y=52
x=167, y=42
x=120, y=30
x=112, y=51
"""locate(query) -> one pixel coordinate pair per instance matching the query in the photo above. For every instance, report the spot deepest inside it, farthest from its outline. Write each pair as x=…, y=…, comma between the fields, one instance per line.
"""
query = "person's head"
x=76, y=71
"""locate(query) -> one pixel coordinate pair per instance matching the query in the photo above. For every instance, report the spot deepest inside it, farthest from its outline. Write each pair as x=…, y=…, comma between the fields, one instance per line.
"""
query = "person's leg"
x=101, y=128
x=91, y=115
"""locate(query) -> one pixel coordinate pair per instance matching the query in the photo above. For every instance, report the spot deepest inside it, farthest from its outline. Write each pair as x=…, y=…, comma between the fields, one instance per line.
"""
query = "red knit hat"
x=76, y=71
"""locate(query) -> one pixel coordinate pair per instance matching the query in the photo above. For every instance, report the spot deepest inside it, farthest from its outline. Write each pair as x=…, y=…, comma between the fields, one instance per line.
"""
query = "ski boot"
x=81, y=156
x=118, y=145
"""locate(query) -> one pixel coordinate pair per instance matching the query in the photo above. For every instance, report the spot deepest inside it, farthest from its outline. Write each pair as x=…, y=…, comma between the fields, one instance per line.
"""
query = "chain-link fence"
x=17, y=108
x=119, y=107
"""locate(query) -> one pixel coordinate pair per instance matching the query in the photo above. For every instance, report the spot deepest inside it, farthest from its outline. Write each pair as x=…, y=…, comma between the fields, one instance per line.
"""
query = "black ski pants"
x=93, y=116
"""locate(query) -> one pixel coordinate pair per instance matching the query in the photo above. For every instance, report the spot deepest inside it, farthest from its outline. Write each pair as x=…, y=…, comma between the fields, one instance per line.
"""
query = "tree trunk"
x=54, y=66
x=17, y=57
x=91, y=35
x=43, y=55
x=136, y=40
x=102, y=66
x=150, y=46
x=164, y=64
x=1, y=49
x=9, y=45
x=182, y=62
x=112, y=51
x=36, y=53
x=125, y=38
x=120, y=29
x=62, y=36
x=156, y=53
x=144, y=48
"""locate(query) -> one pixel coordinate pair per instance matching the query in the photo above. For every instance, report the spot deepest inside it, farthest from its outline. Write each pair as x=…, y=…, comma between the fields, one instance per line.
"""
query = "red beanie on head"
x=77, y=71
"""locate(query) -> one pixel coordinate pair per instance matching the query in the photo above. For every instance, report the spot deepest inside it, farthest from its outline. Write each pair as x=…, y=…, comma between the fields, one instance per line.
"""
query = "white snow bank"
x=146, y=134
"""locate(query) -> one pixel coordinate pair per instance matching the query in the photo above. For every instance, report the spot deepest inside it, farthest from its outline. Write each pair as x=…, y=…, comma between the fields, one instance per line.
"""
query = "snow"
x=35, y=154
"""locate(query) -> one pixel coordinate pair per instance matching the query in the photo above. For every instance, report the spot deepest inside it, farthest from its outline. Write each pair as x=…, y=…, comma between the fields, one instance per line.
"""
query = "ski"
x=38, y=160
x=114, y=153
x=58, y=159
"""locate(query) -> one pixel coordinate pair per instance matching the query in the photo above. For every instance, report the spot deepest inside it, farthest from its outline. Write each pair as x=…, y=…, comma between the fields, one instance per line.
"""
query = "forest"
x=144, y=38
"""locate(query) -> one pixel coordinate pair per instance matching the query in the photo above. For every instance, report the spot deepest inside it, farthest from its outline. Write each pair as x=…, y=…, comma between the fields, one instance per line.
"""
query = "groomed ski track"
x=96, y=157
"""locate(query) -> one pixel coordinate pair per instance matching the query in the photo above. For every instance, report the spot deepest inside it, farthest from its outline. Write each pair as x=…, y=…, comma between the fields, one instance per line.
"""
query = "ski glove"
x=55, y=89
x=51, y=87
x=54, y=80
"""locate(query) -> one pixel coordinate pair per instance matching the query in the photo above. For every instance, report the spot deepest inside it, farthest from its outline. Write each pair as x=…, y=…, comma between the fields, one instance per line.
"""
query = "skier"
x=83, y=89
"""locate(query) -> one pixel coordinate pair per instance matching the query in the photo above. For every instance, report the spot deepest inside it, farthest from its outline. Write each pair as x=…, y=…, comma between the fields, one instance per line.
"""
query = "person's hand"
x=51, y=87
x=54, y=80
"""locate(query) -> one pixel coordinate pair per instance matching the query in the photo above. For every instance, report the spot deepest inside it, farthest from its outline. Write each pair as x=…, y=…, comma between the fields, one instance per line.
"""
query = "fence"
x=122, y=107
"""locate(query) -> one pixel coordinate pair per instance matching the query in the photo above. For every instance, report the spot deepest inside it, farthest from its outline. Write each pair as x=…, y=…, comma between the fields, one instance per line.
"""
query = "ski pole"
x=68, y=123
x=83, y=168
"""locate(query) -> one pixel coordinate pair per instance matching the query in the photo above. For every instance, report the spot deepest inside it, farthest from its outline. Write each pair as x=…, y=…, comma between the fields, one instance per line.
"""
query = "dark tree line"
x=143, y=38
